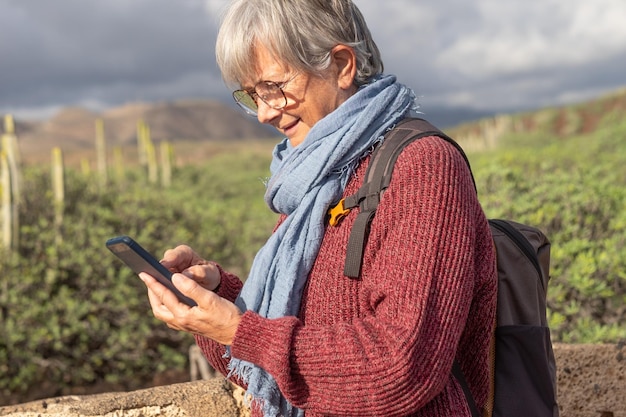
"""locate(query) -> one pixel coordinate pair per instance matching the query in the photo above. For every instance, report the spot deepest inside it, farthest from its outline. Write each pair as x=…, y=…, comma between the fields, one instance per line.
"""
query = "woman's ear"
x=345, y=61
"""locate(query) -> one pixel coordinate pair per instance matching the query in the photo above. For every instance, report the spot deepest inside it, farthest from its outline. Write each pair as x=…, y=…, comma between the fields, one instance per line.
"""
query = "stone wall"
x=591, y=383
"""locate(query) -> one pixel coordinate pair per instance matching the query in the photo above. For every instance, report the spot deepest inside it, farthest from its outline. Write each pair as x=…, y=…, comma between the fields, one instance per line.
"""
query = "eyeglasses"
x=270, y=92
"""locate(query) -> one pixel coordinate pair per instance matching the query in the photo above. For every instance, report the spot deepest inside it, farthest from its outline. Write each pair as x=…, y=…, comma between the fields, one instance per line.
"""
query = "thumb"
x=188, y=286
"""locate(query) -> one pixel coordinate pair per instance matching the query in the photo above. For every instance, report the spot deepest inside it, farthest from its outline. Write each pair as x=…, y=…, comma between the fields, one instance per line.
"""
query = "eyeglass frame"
x=252, y=94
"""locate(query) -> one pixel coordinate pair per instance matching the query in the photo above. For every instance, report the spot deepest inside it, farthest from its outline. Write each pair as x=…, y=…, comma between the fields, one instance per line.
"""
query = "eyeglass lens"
x=245, y=100
x=267, y=91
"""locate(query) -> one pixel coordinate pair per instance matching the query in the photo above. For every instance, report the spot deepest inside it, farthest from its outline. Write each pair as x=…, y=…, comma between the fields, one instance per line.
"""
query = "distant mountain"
x=73, y=128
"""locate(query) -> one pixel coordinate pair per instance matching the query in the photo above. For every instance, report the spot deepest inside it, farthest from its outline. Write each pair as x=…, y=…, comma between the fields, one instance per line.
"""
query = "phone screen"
x=140, y=260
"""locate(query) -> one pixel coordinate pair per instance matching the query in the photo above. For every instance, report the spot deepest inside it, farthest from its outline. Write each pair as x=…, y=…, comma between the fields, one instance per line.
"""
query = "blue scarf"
x=305, y=182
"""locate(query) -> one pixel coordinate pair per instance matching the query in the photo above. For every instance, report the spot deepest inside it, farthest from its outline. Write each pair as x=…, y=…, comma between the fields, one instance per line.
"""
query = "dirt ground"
x=591, y=380
x=591, y=383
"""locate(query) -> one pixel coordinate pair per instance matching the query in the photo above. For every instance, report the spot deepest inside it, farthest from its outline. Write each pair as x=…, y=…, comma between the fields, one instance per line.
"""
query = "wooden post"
x=101, y=154
x=141, y=143
x=58, y=192
x=13, y=188
x=166, y=164
x=5, y=184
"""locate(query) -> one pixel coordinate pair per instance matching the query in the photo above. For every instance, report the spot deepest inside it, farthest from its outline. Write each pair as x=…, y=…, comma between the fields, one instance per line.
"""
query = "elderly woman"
x=301, y=337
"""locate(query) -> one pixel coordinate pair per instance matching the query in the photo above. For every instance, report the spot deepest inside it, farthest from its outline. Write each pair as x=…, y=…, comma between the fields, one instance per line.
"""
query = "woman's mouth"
x=291, y=128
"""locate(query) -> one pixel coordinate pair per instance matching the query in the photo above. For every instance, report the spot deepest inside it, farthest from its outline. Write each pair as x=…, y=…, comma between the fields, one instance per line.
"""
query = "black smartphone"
x=140, y=260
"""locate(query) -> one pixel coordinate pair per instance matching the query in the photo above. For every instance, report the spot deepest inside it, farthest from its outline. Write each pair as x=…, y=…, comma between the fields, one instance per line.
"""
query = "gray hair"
x=299, y=33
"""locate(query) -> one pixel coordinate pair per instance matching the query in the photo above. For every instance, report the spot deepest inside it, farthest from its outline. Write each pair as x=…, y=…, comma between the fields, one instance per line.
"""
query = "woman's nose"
x=266, y=113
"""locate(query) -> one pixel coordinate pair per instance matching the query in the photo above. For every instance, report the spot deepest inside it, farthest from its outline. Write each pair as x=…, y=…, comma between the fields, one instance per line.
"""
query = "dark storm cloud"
x=104, y=51
x=482, y=55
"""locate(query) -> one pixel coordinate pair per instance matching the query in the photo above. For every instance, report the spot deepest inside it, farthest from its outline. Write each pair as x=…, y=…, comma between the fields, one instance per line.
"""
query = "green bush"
x=72, y=314
x=571, y=187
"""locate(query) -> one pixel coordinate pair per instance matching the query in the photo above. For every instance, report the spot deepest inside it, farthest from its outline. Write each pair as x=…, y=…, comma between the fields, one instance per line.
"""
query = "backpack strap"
x=458, y=374
x=377, y=179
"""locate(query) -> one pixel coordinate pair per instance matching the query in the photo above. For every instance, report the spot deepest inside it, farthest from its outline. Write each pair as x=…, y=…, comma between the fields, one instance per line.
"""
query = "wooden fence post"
x=5, y=184
x=11, y=190
x=58, y=191
x=166, y=164
x=101, y=154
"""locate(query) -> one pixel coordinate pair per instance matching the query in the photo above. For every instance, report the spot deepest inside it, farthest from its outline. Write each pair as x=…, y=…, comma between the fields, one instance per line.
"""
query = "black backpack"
x=524, y=383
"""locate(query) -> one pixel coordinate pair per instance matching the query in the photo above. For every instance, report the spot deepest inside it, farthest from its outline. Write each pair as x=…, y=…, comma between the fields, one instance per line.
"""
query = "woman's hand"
x=183, y=259
x=213, y=317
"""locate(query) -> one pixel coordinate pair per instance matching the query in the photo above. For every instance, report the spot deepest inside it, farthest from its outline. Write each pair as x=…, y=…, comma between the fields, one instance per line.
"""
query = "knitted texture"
x=383, y=345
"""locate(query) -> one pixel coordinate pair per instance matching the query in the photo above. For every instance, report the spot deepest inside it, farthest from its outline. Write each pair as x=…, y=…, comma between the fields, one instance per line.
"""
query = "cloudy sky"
x=483, y=56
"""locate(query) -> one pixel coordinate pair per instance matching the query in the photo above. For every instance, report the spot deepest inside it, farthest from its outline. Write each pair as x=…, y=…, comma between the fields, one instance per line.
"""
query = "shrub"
x=72, y=314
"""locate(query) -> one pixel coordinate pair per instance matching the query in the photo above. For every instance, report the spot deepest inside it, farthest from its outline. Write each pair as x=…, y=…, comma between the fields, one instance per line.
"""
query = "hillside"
x=73, y=128
x=195, y=125
x=556, y=122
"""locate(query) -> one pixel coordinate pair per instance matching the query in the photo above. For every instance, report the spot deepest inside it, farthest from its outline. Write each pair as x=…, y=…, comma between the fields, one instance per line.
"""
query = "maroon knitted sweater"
x=384, y=345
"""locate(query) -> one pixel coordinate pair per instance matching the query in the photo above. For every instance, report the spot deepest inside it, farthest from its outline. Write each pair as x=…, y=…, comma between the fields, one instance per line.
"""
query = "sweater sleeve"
x=387, y=341
x=229, y=288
